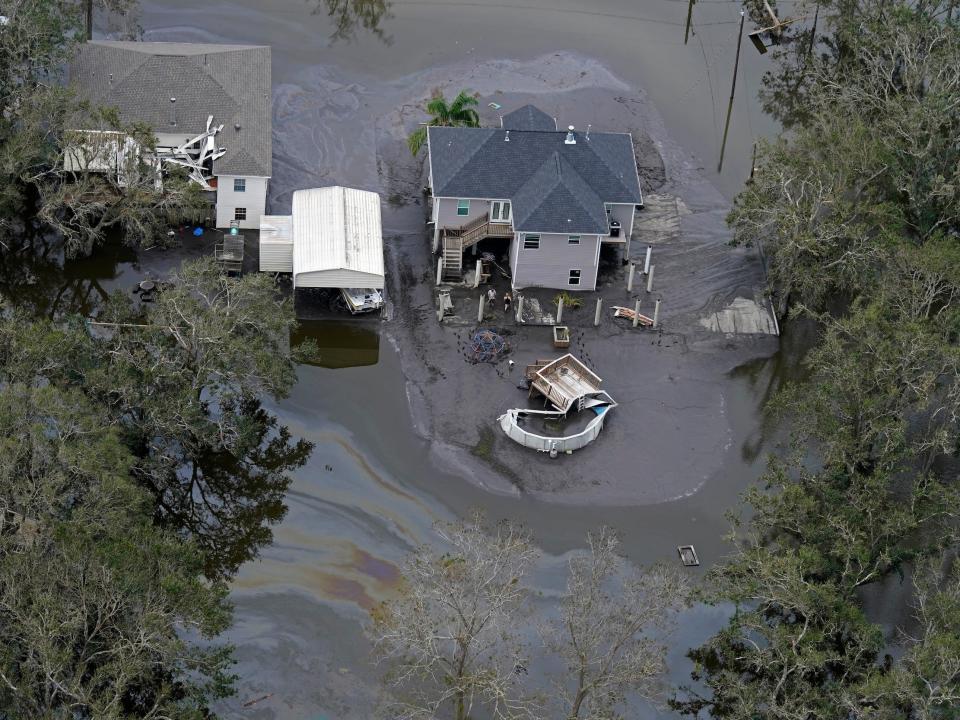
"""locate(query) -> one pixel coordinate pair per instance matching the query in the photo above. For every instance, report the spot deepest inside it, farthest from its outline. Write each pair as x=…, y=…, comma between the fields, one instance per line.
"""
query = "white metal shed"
x=338, y=239
x=276, y=243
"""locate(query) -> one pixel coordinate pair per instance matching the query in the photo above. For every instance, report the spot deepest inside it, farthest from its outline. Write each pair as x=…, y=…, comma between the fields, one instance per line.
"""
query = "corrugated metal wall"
x=276, y=256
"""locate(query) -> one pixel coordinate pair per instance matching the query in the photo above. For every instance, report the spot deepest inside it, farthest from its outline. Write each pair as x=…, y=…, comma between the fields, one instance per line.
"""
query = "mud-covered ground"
x=671, y=430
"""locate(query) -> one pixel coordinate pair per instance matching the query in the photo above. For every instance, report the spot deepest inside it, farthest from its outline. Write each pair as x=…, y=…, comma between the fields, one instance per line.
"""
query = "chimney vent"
x=588, y=131
x=571, y=138
x=173, y=111
x=506, y=138
x=236, y=126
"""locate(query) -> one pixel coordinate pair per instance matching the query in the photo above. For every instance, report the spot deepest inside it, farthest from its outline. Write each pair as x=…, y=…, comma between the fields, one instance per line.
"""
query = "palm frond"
x=462, y=100
x=416, y=140
x=439, y=109
x=468, y=118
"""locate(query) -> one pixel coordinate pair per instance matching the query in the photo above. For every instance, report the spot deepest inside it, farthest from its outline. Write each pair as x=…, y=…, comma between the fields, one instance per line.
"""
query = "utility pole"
x=733, y=88
x=813, y=33
x=686, y=33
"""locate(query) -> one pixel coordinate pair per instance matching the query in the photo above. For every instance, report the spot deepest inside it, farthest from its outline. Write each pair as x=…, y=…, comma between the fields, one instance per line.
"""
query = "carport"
x=337, y=239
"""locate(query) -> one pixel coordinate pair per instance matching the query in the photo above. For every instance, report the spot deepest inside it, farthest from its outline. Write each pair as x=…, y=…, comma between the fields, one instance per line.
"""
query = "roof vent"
x=236, y=126
x=571, y=138
x=588, y=131
x=506, y=138
x=173, y=111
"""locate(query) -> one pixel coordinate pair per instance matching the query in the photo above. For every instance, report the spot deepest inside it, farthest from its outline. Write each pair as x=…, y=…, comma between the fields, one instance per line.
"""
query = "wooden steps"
x=456, y=240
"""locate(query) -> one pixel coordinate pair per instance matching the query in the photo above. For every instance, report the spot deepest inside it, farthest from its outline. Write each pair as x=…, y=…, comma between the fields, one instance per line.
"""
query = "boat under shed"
x=336, y=238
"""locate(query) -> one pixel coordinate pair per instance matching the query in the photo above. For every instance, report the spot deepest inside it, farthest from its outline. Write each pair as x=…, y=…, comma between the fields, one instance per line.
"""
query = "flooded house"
x=209, y=106
x=554, y=197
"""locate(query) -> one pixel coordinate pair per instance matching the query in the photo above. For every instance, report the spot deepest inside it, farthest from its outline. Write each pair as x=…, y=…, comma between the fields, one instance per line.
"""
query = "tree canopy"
x=137, y=471
x=857, y=209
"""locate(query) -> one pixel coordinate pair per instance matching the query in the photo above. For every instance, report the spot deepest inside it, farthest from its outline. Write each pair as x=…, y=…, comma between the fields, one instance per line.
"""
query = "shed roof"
x=230, y=82
x=337, y=228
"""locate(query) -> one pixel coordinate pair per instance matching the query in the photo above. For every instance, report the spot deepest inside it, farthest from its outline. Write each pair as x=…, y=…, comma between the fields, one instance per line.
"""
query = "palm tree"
x=459, y=113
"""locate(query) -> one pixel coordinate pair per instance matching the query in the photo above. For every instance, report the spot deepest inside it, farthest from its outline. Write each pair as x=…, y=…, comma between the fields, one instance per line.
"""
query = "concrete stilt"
x=483, y=302
x=439, y=270
x=559, y=309
x=646, y=262
x=633, y=269
x=596, y=317
x=476, y=280
x=636, y=313
x=519, y=308
x=650, y=278
x=656, y=313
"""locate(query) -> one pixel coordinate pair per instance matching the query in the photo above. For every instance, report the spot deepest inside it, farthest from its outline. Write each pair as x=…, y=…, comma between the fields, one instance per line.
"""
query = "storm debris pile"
x=487, y=345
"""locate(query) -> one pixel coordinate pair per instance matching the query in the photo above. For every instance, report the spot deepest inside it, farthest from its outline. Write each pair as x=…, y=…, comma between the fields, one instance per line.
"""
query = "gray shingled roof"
x=528, y=117
x=481, y=163
x=230, y=82
x=557, y=199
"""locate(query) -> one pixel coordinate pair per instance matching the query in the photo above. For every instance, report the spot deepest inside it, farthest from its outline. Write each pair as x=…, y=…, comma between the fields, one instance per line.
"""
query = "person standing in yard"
x=507, y=300
x=491, y=296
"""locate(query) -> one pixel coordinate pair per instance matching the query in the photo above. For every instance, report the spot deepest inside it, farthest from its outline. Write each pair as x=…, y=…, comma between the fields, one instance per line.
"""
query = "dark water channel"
x=369, y=492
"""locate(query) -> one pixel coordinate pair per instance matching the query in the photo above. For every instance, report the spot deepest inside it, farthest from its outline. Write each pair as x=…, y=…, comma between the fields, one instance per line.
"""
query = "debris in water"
x=688, y=555
x=251, y=703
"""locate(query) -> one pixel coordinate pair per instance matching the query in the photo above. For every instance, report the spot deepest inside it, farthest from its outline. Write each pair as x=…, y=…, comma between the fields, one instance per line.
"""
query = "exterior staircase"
x=456, y=240
x=452, y=257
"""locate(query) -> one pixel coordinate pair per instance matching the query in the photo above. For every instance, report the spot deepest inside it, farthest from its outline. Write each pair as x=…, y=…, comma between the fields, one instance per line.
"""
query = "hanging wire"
x=713, y=96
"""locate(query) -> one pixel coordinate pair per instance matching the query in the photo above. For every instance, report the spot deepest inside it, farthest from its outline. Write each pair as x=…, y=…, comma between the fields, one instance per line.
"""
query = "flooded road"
x=370, y=490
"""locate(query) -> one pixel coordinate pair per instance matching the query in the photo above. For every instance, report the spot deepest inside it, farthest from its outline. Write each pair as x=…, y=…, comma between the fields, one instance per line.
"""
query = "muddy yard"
x=671, y=429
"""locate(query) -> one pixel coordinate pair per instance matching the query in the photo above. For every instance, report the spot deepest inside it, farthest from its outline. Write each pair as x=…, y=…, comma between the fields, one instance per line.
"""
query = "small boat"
x=362, y=300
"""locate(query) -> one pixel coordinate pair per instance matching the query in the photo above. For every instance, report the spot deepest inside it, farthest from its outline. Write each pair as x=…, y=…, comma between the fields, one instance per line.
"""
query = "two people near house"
x=507, y=299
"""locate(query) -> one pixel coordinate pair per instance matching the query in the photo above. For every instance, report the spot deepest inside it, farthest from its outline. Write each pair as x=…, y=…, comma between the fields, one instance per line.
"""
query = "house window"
x=531, y=242
x=574, y=277
x=500, y=211
x=240, y=214
x=573, y=239
x=239, y=184
x=463, y=207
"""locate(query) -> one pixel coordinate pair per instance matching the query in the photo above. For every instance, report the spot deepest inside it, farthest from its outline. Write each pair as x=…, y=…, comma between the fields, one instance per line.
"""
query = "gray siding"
x=550, y=265
x=623, y=213
x=447, y=211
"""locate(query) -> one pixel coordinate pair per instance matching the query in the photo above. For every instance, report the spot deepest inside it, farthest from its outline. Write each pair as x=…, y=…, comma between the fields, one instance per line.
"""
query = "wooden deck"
x=564, y=382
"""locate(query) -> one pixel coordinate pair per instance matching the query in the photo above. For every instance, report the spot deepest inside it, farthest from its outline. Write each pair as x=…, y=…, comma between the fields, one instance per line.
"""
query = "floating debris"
x=629, y=314
x=688, y=555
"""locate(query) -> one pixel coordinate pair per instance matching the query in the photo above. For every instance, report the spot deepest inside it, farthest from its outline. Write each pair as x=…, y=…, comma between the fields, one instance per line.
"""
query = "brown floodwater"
x=370, y=491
